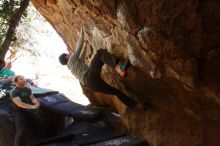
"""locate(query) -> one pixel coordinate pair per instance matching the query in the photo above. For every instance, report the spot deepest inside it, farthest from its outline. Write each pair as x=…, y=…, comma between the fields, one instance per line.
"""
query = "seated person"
x=6, y=71
x=23, y=105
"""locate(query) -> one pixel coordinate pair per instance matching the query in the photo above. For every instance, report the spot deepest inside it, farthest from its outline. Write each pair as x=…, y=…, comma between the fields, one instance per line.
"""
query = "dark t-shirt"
x=23, y=93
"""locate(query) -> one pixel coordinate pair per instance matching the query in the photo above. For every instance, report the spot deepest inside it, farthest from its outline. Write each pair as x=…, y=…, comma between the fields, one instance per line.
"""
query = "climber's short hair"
x=63, y=59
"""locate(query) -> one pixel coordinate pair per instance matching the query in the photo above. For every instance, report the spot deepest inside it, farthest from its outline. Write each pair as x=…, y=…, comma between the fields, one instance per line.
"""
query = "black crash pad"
x=60, y=103
x=91, y=132
x=122, y=141
x=37, y=91
x=98, y=133
x=4, y=113
x=83, y=133
x=67, y=142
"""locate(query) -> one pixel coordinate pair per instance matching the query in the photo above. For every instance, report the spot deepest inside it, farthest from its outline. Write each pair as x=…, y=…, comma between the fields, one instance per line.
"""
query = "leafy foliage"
x=26, y=32
x=31, y=27
x=7, y=9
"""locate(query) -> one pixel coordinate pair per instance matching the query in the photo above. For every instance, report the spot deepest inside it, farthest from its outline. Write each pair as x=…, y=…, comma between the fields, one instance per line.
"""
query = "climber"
x=24, y=104
x=90, y=76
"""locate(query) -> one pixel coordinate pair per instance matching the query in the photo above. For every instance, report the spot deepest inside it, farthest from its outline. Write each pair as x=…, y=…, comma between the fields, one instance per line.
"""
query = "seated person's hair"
x=63, y=59
x=15, y=79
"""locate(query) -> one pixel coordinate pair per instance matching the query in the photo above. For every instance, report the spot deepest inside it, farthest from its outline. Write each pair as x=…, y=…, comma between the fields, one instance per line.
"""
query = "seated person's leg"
x=29, y=81
x=19, y=119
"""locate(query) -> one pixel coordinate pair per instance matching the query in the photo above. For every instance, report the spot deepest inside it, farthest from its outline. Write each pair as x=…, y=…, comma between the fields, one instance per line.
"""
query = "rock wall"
x=174, y=50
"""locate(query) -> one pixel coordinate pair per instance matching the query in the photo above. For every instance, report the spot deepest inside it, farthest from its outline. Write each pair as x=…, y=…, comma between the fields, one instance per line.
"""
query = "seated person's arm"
x=34, y=100
x=21, y=104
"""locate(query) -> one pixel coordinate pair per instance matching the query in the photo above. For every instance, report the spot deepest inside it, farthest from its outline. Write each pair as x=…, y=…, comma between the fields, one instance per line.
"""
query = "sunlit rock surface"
x=174, y=50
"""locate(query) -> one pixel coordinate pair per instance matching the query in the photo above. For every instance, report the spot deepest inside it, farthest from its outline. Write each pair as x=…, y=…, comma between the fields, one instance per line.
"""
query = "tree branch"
x=16, y=17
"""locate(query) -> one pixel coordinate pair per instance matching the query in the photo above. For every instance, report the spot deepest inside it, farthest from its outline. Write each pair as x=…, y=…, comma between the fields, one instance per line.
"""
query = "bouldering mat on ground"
x=60, y=103
x=37, y=91
x=122, y=141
